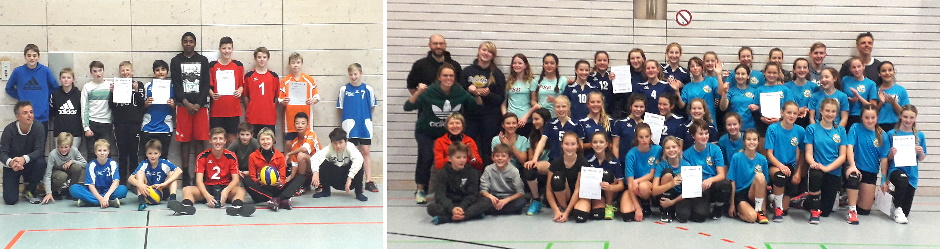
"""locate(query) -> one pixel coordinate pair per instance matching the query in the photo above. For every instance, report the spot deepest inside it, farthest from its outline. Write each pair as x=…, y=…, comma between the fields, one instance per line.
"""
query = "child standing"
x=261, y=90
x=356, y=103
x=190, y=77
x=127, y=119
x=340, y=159
x=102, y=180
x=33, y=82
x=154, y=172
x=226, y=109
x=96, y=111
x=158, y=117
x=63, y=165
x=501, y=183
x=312, y=94
x=66, y=108
x=457, y=190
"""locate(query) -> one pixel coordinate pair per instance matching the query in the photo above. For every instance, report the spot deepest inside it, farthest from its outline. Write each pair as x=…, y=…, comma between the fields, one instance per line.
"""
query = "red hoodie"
x=440, y=152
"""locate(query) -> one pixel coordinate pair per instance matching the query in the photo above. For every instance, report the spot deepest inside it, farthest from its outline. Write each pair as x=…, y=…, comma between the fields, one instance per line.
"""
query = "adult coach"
x=425, y=70
x=864, y=43
x=189, y=74
x=21, y=151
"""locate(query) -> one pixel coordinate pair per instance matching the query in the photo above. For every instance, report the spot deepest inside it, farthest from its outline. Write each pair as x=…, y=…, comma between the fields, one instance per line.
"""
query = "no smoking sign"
x=683, y=17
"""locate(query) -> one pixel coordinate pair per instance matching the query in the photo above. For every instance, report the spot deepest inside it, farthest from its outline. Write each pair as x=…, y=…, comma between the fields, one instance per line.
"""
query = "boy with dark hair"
x=457, y=189
x=158, y=117
x=501, y=183
x=189, y=72
x=216, y=181
x=226, y=105
x=261, y=90
x=22, y=144
x=96, y=108
x=126, y=119
x=245, y=146
x=338, y=166
x=304, y=146
x=33, y=82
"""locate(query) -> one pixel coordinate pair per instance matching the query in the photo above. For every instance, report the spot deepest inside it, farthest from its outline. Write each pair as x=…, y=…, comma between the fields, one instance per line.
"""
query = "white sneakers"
x=899, y=216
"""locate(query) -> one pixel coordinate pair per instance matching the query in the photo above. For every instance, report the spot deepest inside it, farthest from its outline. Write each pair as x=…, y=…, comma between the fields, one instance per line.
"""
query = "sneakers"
x=32, y=198
x=664, y=215
x=437, y=220
x=534, y=208
x=814, y=216
x=420, y=197
x=609, y=212
x=361, y=197
x=899, y=216
x=142, y=206
x=324, y=193
x=761, y=218
x=852, y=217
x=81, y=203
x=116, y=203
x=370, y=186
x=181, y=209
x=239, y=208
x=778, y=214
x=273, y=204
x=716, y=212
x=285, y=204
x=299, y=192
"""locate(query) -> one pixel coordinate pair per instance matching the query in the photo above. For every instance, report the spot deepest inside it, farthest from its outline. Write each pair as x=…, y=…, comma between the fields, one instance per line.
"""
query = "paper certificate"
x=123, y=90
x=770, y=104
x=884, y=201
x=657, y=125
x=591, y=183
x=160, y=91
x=297, y=92
x=225, y=82
x=691, y=181
x=623, y=83
x=907, y=154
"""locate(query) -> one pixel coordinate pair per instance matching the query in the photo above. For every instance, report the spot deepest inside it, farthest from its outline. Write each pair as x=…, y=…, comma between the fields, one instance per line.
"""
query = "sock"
x=238, y=203
x=537, y=199
x=187, y=202
x=852, y=208
x=172, y=197
x=759, y=204
x=778, y=201
x=140, y=200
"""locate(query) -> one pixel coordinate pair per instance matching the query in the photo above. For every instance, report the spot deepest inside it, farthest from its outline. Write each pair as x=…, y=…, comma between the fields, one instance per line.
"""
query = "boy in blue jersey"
x=102, y=180
x=356, y=102
x=158, y=117
x=154, y=172
x=716, y=189
x=33, y=82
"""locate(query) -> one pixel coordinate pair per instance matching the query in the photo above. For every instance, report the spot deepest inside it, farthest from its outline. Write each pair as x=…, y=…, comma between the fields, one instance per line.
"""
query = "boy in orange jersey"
x=305, y=145
x=312, y=97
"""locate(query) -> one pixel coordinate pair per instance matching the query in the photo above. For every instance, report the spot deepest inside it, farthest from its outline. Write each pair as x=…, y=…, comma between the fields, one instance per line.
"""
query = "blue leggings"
x=81, y=192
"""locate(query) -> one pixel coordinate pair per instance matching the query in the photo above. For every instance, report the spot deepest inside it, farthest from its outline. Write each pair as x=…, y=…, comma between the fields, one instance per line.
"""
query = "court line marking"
x=481, y=243
x=823, y=245
x=21, y=232
x=135, y=211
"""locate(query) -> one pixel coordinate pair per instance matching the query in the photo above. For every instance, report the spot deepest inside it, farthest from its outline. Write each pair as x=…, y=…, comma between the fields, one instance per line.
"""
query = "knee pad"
x=597, y=214
x=627, y=217
x=608, y=177
x=864, y=211
x=815, y=180
x=792, y=189
x=779, y=179
x=530, y=174
x=579, y=216
x=559, y=183
x=853, y=180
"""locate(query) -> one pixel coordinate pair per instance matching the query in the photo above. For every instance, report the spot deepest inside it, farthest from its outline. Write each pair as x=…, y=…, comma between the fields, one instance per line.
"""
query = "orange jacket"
x=440, y=152
x=256, y=162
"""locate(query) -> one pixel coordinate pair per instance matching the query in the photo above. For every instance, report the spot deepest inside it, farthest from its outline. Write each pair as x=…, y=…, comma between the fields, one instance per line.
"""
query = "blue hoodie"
x=33, y=85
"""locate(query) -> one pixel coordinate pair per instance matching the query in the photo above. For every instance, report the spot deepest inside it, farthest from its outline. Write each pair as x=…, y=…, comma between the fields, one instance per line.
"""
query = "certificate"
x=691, y=182
x=297, y=92
x=657, y=125
x=884, y=201
x=623, y=83
x=123, y=90
x=591, y=183
x=160, y=91
x=770, y=104
x=907, y=154
x=225, y=82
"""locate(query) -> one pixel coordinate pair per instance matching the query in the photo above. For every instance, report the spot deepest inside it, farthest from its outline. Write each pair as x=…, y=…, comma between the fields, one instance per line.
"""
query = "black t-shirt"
x=557, y=166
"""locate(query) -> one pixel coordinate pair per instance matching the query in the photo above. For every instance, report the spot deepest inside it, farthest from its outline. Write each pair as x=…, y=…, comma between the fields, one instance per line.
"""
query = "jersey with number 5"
x=217, y=171
x=262, y=90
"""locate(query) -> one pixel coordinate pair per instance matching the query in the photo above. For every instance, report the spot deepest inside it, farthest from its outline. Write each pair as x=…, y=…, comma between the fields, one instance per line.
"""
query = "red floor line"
x=727, y=240
x=661, y=223
x=120, y=211
x=683, y=228
x=214, y=225
x=750, y=247
x=705, y=234
x=15, y=238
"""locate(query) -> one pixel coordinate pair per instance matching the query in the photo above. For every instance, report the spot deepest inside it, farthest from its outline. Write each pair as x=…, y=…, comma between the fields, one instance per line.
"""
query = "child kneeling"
x=102, y=180
x=339, y=166
x=501, y=184
x=157, y=173
x=457, y=189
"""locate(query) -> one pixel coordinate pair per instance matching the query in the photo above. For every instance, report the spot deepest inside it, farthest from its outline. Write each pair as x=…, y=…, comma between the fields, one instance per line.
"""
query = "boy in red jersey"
x=261, y=90
x=216, y=181
x=225, y=76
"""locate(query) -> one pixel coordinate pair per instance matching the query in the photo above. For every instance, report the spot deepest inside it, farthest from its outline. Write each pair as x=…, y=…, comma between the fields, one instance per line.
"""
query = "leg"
x=628, y=204
x=76, y=142
x=289, y=188
x=513, y=207
x=366, y=162
x=257, y=192
x=185, y=153
x=58, y=179
x=477, y=208
x=745, y=211
x=581, y=213
x=830, y=190
x=683, y=210
x=645, y=189
x=120, y=192
x=34, y=171
x=903, y=191
x=425, y=160
x=11, y=186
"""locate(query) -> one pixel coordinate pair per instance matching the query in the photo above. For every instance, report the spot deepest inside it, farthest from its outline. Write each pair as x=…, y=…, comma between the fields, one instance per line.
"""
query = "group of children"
x=201, y=94
x=821, y=142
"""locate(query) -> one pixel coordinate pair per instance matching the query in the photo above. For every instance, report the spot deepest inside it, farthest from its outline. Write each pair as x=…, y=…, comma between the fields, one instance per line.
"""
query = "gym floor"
x=338, y=221
x=411, y=227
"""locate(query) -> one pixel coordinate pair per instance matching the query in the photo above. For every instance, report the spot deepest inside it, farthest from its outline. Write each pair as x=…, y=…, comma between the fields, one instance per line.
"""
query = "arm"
x=440, y=153
x=11, y=85
x=615, y=147
x=845, y=119
x=6, y=139
x=838, y=162
x=537, y=152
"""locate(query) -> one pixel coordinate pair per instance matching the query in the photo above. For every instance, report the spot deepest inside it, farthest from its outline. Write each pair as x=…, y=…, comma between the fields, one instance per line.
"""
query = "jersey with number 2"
x=217, y=171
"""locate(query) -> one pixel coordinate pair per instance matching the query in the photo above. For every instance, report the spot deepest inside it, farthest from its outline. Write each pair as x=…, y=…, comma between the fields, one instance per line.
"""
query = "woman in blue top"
x=905, y=179
x=654, y=86
x=518, y=144
x=519, y=92
x=861, y=90
x=867, y=155
x=673, y=72
x=596, y=120
x=612, y=183
x=639, y=165
x=667, y=185
x=748, y=174
x=538, y=163
x=773, y=85
x=891, y=97
x=802, y=89
x=784, y=152
x=549, y=84
x=624, y=130
x=745, y=57
x=716, y=189
x=739, y=98
x=825, y=154
x=828, y=88
x=578, y=91
x=700, y=87
x=733, y=140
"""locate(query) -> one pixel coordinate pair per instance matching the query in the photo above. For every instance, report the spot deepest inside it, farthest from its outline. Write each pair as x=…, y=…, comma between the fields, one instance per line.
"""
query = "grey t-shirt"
x=242, y=151
x=501, y=184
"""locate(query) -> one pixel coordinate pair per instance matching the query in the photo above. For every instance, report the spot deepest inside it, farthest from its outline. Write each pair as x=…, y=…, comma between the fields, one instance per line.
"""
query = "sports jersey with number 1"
x=262, y=90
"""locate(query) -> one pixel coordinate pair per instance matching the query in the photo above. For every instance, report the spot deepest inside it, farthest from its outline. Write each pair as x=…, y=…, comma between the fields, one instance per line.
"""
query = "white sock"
x=778, y=201
x=852, y=208
x=759, y=204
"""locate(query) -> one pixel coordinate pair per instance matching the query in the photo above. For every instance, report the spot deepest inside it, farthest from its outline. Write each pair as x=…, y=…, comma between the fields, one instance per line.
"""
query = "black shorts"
x=215, y=191
x=360, y=141
x=852, y=120
x=869, y=178
x=230, y=124
x=290, y=136
x=741, y=196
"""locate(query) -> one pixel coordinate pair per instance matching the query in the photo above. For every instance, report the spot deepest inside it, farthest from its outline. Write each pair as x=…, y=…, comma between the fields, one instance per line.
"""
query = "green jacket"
x=434, y=106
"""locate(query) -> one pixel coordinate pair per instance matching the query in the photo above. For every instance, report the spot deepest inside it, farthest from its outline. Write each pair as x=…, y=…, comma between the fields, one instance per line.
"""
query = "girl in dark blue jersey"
x=611, y=184
x=596, y=120
x=578, y=91
x=654, y=86
x=698, y=112
x=673, y=71
x=674, y=124
x=624, y=131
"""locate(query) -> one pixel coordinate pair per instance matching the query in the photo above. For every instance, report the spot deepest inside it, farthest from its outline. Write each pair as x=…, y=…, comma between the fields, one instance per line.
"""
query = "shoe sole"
x=247, y=210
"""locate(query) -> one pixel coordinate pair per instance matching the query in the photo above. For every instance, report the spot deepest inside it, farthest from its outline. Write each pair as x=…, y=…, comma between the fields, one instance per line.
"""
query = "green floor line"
x=823, y=245
x=549, y=246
